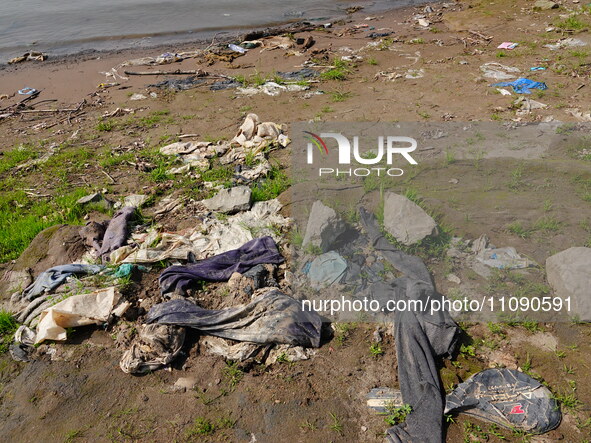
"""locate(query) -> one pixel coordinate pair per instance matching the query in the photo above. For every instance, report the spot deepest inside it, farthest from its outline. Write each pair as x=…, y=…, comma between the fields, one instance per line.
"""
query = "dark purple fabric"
x=220, y=267
x=117, y=232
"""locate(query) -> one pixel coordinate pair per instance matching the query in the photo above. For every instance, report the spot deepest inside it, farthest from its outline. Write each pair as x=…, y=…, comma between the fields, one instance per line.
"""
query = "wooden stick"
x=107, y=174
x=198, y=72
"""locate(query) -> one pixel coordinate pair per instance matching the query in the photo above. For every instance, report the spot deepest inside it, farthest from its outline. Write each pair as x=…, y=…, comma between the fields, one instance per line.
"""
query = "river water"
x=69, y=26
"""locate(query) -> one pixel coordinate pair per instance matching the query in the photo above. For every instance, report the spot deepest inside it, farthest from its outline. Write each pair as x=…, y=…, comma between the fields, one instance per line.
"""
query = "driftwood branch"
x=197, y=72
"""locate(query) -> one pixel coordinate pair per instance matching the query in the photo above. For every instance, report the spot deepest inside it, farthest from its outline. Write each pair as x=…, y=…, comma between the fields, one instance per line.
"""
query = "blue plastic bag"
x=523, y=85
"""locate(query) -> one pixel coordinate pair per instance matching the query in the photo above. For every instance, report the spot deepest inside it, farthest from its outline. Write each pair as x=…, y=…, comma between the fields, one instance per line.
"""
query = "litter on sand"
x=155, y=346
x=273, y=89
x=569, y=42
x=78, y=310
x=507, y=398
x=220, y=267
x=508, y=45
x=237, y=49
x=326, y=269
x=53, y=277
x=498, y=71
x=523, y=85
x=27, y=91
x=271, y=317
x=501, y=258
x=179, y=84
x=422, y=338
x=28, y=56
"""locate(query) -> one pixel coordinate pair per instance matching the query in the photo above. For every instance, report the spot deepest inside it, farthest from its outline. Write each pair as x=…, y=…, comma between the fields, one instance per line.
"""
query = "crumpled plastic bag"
x=498, y=71
x=523, y=85
x=326, y=269
x=78, y=310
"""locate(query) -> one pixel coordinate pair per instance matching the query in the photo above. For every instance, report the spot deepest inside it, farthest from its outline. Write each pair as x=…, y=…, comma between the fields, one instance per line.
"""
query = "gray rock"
x=324, y=226
x=568, y=274
x=230, y=200
x=135, y=200
x=406, y=221
x=185, y=383
x=96, y=198
x=544, y=5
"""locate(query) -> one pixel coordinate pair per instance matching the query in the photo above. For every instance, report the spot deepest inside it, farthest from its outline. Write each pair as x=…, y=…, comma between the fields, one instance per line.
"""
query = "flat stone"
x=544, y=5
x=568, y=274
x=406, y=220
x=324, y=227
x=230, y=200
x=97, y=197
x=186, y=383
x=135, y=200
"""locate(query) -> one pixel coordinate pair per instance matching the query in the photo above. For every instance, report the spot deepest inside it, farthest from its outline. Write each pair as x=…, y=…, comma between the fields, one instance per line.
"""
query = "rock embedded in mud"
x=230, y=200
x=545, y=5
x=96, y=198
x=324, y=227
x=568, y=274
x=406, y=221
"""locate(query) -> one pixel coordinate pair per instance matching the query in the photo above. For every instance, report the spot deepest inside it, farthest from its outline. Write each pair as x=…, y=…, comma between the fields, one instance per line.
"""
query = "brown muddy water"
x=70, y=26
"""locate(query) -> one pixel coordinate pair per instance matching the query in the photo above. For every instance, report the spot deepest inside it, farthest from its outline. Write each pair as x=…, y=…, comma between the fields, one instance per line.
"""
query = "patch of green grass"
x=282, y=358
x=219, y=174
x=159, y=174
x=516, y=182
x=23, y=217
x=271, y=186
x=548, y=224
x=342, y=332
x=8, y=326
x=109, y=160
x=501, y=54
x=337, y=424
x=339, y=71
x=568, y=400
x=518, y=229
x=473, y=432
x=372, y=61
x=201, y=426
x=339, y=96
x=450, y=158
x=105, y=126
x=572, y=23
x=12, y=158
x=496, y=329
x=73, y=435
x=396, y=415
x=376, y=350
x=468, y=350
x=233, y=374
x=153, y=119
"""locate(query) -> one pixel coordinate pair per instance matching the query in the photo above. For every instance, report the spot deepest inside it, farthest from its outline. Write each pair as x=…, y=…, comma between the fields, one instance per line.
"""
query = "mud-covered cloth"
x=221, y=267
x=508, y=398
x=271, y=317
x=155, y=346
x=421, y=338
x=117, y=232
x=53, y=277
